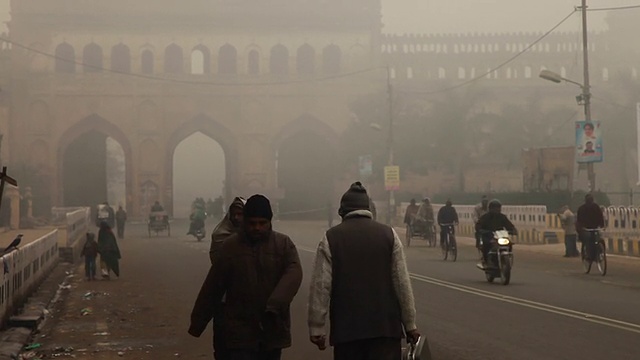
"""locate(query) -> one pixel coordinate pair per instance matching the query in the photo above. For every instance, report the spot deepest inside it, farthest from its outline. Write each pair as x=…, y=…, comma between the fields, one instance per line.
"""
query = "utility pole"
x=586, y=90
x=390, y=196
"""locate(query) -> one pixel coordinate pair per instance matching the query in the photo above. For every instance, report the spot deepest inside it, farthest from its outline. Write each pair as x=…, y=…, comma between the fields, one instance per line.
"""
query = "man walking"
x=121, y=219
x=368, y=319
x=258, y=272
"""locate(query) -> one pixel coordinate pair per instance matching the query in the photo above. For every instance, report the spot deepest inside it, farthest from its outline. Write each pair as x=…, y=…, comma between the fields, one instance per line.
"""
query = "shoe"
x=566, y=256
x=480, y=266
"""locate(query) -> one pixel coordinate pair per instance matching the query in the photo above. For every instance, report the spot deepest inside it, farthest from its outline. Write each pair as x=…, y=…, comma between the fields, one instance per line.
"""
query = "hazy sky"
x=455, y=16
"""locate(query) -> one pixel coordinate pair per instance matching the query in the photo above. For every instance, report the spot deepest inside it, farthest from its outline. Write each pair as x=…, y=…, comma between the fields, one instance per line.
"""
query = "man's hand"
x=319, y=341
x=413, y=336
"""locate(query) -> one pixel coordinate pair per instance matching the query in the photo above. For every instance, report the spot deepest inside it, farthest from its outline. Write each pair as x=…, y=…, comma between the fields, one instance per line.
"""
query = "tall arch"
x=214, y=130
x=304, y=151
x=306, y=59
x=92, y=58
x=121, y=58
x=65, y=59
x=92, y=124
x=147, y=62
x=331, y=59
x=227, y=60
x=279, y=63
x=253, y=62
x=200, y=60
x=173, y=59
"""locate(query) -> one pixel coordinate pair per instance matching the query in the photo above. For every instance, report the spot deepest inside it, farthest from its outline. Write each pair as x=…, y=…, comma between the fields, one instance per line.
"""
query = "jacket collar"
x=359, y=213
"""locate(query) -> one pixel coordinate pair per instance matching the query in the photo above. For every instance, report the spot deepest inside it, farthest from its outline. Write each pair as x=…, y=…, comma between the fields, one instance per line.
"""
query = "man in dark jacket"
x=258, y=272
x=348, y=257
x=492, y=221
x=590, y=216
x=447, y=218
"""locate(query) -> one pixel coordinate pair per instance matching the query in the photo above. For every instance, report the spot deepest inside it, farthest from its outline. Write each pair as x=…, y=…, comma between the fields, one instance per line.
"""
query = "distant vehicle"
x=159, y=222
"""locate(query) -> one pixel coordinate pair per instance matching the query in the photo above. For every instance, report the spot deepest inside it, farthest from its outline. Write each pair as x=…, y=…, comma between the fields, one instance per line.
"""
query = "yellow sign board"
x=392, y=177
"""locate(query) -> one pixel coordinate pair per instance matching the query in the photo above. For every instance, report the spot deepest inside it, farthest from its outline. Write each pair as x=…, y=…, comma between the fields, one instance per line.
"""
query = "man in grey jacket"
x=368, y=319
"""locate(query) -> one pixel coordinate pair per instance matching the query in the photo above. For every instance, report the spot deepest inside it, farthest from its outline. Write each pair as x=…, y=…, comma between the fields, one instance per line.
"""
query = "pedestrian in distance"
x=121, y=219
x=568, y=222
x=90, y=253
x=368, y=319
x=258, y=272
x=109, y=251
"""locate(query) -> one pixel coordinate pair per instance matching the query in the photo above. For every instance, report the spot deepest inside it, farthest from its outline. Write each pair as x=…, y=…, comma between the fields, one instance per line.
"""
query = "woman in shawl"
x=109, y=251
x=228, y=226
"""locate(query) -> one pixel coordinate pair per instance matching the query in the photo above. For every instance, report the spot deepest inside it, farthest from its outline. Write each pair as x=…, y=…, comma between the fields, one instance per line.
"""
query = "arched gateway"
x=140, y=95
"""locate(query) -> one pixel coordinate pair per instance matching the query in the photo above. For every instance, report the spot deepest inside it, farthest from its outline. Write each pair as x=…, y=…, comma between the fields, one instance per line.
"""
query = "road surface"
x=550, y=311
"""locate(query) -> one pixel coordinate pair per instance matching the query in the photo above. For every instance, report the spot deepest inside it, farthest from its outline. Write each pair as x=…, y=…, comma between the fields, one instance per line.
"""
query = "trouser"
x=255, y=354
x=570, y=247
x=90, y=267
x=444, y=231
x=120, y=230
x=486, y=246
x=369, y=349
x=478, y=237
x=220, y=351
x=588, y=244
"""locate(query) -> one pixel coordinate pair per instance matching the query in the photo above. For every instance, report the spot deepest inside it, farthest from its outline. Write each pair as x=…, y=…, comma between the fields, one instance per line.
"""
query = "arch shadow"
x=97, y=123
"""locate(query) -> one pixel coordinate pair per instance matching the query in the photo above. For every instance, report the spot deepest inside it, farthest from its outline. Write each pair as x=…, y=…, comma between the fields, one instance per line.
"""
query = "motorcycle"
x=499, y=258
x=200, y=233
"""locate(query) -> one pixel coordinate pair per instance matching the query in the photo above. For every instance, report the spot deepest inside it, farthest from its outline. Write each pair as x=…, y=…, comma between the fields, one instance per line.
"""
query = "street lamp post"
x=390, y=193
x=585, y=97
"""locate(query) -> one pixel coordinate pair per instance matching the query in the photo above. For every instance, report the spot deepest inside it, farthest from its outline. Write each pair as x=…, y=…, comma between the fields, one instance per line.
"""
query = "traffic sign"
x=392, y=177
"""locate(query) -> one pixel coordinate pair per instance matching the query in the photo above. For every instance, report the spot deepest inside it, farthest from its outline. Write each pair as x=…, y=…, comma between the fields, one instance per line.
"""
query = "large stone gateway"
x=149, y=74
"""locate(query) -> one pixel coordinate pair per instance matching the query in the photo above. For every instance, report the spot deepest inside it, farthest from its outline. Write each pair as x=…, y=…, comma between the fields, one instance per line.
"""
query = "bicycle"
x=449, y=246
x=598, y=252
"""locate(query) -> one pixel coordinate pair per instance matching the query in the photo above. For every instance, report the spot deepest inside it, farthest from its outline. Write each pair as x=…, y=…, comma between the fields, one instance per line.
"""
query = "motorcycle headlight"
x=503, y=241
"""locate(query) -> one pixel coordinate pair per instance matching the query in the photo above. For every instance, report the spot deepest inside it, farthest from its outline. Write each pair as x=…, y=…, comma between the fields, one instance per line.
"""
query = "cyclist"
x=410, y=213
x=447, y=215
x=590, y=216
x=425, y=216
x=492, y=221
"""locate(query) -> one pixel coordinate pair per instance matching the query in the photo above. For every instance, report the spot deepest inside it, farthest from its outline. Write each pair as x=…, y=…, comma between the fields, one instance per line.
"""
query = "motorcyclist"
x=590, y=216
x=426, y=215
x=447, y=215
x=492, y=221
x=197, y=217
x=480, y=209
x=156, y=207
x=411, y=212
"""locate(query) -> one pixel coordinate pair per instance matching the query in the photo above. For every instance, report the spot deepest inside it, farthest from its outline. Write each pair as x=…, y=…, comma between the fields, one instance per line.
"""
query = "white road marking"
x=613, y=323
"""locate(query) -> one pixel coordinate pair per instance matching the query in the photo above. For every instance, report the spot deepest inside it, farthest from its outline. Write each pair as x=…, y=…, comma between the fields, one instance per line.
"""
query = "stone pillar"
x=13, y=198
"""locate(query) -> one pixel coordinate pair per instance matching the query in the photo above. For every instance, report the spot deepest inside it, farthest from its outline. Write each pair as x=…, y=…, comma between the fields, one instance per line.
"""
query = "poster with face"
x=588, y=142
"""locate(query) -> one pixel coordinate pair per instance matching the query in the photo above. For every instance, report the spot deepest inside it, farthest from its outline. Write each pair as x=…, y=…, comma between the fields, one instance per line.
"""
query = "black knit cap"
x=258, y=206
x=355, y=198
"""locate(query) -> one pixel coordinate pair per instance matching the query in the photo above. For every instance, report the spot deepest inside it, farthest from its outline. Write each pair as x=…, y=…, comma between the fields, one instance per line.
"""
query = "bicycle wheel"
x=445, y=248
x=453, y=249
x=601, y=258
x=586, y=263
x=407, y=236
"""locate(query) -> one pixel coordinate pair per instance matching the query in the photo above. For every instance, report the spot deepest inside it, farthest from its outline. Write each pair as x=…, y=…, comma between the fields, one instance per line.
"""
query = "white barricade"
x=25, y=268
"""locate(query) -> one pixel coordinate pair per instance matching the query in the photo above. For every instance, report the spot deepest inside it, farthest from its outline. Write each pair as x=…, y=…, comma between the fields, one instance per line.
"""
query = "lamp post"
x=585, y=97
x=390, y=193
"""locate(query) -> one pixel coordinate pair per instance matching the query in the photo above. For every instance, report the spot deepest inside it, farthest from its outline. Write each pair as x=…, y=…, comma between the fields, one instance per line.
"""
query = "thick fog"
x=482, y=16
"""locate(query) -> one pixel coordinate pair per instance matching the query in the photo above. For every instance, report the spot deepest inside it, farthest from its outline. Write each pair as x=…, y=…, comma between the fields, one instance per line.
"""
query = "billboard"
x=588, y=142
x=365, y=165
x=392, y=178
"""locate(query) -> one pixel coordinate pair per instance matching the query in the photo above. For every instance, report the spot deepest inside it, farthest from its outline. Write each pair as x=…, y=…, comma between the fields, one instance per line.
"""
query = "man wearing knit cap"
x=259, y=273
x=368, y=319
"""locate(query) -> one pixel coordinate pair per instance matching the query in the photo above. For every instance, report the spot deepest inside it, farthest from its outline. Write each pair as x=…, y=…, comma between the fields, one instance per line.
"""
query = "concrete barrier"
x=73, y=224
x=23, y=270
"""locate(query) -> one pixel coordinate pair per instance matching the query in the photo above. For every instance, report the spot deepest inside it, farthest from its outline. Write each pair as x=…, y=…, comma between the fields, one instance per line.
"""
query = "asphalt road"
x=550, y=311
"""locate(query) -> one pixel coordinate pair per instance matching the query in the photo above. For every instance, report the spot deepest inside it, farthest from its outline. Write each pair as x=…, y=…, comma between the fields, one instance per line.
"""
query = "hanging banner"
x=365, y=165
x=392, y=178
x=588, y=142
